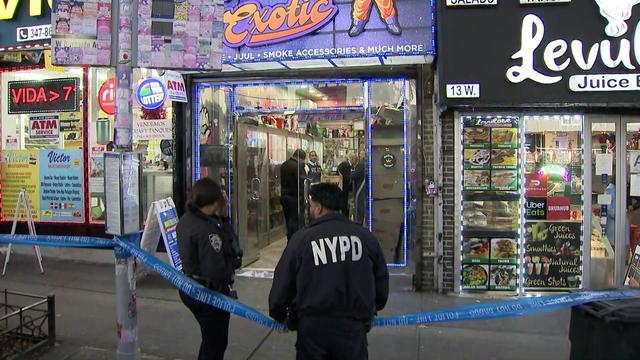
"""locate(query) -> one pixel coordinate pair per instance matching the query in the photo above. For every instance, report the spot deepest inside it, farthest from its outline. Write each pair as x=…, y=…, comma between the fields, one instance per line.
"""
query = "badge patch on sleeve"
x=216, y=242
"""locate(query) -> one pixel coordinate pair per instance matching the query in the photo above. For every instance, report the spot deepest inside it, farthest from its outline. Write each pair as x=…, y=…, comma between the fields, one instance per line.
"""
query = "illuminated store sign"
x=576, y=52
x=284, y=30
x=54, y=95
x=25, y=22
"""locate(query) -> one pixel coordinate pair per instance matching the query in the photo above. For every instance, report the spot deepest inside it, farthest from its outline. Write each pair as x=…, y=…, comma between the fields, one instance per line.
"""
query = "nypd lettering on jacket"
x=336, y=248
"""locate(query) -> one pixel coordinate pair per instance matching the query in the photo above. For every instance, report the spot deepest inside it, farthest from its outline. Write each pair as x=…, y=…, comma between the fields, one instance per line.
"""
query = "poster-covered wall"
x=53, y=180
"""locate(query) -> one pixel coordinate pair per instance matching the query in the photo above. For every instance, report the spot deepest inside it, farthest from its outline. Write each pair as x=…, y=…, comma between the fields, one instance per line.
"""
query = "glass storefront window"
x=42, y=144
x=553, y=202
x=335, y=119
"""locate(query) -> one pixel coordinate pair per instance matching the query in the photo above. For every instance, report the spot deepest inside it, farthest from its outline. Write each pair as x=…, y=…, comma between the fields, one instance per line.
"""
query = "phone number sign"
x=33, y=33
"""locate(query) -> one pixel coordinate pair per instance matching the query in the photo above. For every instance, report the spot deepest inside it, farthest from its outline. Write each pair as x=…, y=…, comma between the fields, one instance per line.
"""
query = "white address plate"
x=33, y=33
x=463, y=91
x=472, y=2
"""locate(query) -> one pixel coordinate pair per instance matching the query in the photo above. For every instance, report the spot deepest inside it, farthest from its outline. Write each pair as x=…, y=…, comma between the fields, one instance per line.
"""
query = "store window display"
x=152, y=135
x=42, y=144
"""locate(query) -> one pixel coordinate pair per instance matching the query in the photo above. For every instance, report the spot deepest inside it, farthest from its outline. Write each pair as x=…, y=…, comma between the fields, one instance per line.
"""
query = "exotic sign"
x=577, y=52
x=43, y=96
x=283, y=30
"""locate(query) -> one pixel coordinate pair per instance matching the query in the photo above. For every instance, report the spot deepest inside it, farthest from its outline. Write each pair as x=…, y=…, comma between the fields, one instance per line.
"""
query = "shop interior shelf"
x=485, y=232
x=490, y=195
x=299, y=110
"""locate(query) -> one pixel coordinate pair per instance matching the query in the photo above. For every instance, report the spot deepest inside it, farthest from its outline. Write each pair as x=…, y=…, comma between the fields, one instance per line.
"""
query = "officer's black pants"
x=293, y=209
x=331, y=339
x=214, y=327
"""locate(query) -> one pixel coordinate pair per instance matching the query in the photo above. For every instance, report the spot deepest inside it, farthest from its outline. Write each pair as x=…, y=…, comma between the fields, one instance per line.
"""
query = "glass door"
x=616, y=189
x=253, y=165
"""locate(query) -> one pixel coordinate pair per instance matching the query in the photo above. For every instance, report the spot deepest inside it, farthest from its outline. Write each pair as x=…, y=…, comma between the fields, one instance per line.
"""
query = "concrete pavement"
x=167, y=330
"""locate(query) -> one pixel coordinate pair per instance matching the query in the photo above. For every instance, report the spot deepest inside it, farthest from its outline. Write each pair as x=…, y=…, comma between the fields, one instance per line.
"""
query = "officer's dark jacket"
x=334, y=268
x=208, y=249
x=292, y=177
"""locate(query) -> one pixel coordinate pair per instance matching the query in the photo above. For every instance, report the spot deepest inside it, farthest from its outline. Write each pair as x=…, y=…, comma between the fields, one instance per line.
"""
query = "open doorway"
x=354, y=133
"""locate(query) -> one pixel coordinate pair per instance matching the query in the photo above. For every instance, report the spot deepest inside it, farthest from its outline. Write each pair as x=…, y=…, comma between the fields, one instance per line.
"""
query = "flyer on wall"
x=20, y=171
x=81, y=32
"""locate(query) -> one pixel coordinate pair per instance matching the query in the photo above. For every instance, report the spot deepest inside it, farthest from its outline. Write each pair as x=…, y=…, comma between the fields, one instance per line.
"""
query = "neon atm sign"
x=8, y=8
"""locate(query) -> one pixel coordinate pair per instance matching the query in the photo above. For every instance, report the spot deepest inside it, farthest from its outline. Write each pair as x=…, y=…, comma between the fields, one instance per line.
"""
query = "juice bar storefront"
x=545, y=133
x=334, y=93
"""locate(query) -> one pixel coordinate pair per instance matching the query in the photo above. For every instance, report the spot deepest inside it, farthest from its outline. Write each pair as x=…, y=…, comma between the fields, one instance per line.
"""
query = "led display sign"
x=45, y=96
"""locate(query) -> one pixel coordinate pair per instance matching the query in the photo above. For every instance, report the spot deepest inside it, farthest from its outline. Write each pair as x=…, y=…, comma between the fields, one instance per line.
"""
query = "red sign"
x=43, y=96
x=107, y=96
x=558, y=208
x=44, y=127
x=535, y=184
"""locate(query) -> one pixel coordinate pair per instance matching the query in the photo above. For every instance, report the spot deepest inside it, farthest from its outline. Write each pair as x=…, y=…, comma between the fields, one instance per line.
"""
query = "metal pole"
x=51, y=318
x=123, y=32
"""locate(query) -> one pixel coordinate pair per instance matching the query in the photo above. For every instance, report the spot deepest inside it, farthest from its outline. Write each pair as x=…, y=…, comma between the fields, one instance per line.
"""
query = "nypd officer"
x=330, y=281
x=210, y=253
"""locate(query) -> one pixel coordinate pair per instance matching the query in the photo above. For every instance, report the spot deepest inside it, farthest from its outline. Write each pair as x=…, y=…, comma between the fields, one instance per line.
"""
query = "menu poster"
x=19, y=171
x=81, y=32
x=490, y=144
x=475, y=251
x=193, y=40
x=504, y=251
x=633, y=271
x=552, y=255
x=475, y=277
x=503, y=277
x=61, y=186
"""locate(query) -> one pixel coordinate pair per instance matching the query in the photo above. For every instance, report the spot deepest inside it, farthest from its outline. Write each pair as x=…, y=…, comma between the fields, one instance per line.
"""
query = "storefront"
x=540, y=139
x=317, y=87
x=58, y=121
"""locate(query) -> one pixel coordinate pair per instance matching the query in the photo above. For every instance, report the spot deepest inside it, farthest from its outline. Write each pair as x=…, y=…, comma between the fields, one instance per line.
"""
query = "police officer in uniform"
x=314, y=170
x=210, y=253
x=292, y=182
x=331, y=280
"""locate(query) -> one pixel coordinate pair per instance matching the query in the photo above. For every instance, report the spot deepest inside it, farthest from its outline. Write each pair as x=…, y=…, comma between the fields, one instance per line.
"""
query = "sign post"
x=23, y=200
x=162, y=220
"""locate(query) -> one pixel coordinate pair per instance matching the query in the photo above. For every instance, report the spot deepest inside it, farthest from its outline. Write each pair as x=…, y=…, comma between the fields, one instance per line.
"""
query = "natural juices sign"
x=252, y=24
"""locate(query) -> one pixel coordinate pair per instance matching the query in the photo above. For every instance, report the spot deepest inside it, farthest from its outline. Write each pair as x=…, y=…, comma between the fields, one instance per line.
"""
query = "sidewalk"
x=86, y=321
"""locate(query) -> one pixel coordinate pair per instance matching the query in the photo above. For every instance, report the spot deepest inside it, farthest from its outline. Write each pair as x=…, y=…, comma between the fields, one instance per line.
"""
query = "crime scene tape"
x=490, y=310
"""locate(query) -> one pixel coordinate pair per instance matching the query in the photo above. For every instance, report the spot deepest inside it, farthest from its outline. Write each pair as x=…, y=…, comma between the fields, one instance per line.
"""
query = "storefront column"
x=126, y=308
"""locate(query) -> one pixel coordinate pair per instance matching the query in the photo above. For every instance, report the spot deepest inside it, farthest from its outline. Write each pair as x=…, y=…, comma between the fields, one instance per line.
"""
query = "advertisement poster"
x=61, y=186
x=152, y=129
x=284, y=30
x=20, y=171
x=552, y=255
x=634, y=161
x=633, y=271
x=44, y=127
x=176, y=90
x=168, y=220
x=190, y=36
x=81, y=32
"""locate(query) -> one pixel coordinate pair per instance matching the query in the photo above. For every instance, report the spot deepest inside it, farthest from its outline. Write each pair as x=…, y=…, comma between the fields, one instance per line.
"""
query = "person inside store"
x=359, y=183
x=330, y=296
x=293, y=177
x=210, y=254
x=313, y=168
x=344, y=169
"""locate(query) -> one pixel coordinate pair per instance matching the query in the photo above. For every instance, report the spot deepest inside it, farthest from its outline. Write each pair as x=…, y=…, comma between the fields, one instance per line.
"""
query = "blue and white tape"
x=490, y=310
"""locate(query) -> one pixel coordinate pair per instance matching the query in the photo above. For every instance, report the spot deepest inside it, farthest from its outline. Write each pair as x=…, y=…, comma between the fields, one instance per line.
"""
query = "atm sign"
x=44, y=127
x=46, y=96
